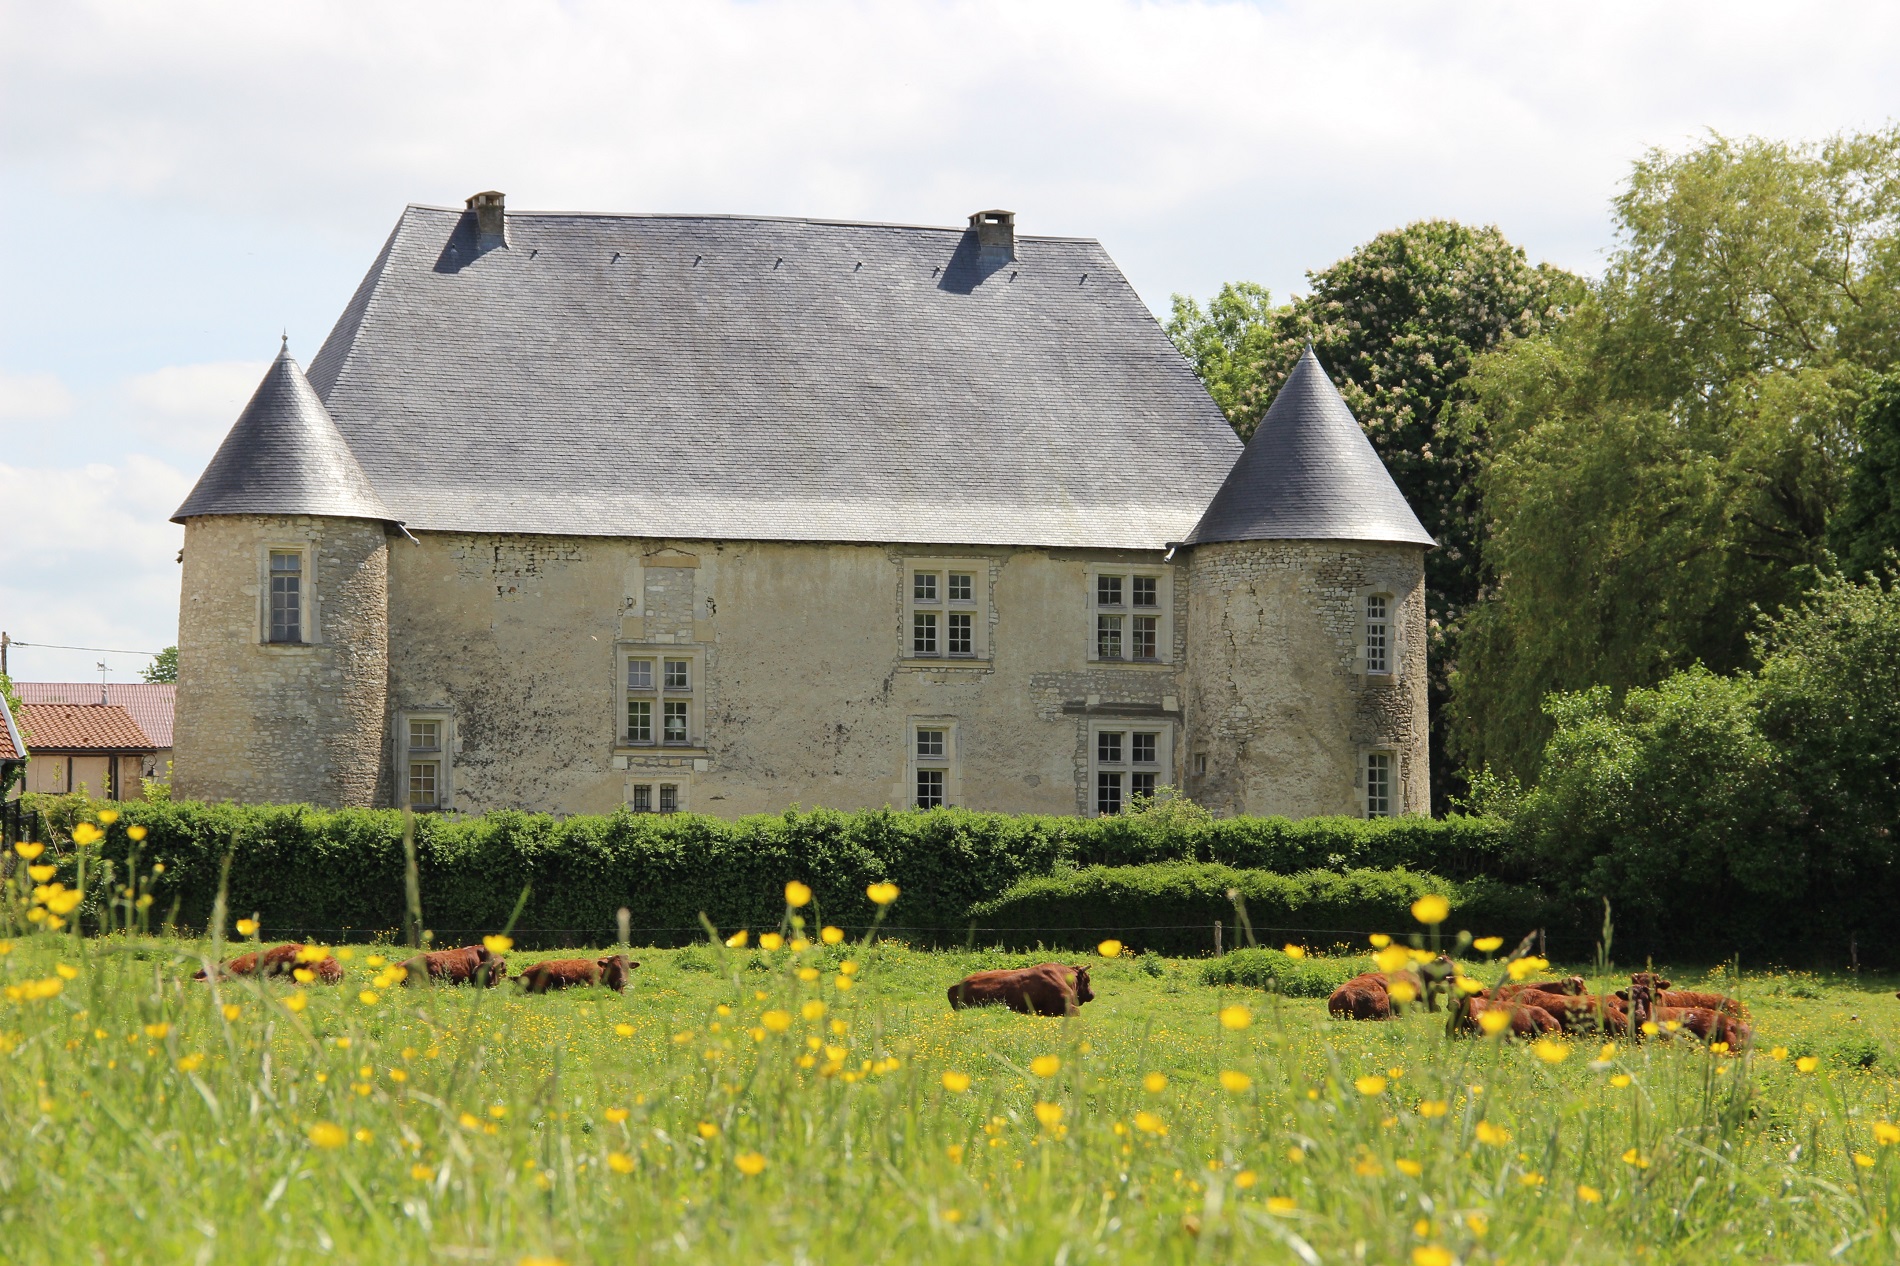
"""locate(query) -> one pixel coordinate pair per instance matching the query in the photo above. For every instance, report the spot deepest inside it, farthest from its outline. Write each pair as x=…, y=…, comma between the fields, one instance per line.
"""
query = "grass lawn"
x=381, y=1124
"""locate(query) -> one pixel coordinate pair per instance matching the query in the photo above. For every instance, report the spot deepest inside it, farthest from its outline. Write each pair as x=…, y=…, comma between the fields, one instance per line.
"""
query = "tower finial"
x=286, y=347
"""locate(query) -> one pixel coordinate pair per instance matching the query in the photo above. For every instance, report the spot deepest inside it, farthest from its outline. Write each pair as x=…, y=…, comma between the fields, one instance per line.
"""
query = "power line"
x=103, y=650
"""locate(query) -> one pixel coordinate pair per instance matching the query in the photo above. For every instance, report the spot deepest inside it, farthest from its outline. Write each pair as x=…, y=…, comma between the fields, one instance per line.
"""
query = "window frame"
x=1388, y=626
x=655, y=785
x=659, y=697
x=1394, y=797
x=306, y=555
x=442, y=756
x=1124, y=768
x=945, y=761
x=1121, y=616
x=939, y=605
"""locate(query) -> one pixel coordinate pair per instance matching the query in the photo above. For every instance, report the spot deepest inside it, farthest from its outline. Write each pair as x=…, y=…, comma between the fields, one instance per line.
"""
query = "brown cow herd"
x=1538, y=1008
x=1530, y=1009
x=468, y=965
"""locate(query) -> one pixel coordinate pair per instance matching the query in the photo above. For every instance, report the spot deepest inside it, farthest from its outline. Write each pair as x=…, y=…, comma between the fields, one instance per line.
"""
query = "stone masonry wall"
x=1277, y=702
x=287, y=723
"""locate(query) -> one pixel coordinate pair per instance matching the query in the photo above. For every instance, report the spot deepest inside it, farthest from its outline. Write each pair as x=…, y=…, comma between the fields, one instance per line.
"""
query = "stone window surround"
x=1162, y=768
x=1395, y=779
x=653, y=781
x=977, y=608
x=307, y=598
x=1394, y=647
x=695, y=696
x=443, y=756
x=1163, y=611
x=951, y=762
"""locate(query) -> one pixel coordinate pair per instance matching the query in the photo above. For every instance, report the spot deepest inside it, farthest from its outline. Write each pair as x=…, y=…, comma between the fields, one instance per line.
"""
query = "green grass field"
x=381, y=1124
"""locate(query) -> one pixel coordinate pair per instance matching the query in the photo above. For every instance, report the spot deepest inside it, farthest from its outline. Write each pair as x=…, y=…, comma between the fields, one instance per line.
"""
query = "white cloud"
x=192, y=406
x=33, y=397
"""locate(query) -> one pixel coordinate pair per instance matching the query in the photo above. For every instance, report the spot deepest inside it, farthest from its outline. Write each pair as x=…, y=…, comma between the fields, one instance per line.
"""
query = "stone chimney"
x=995, y=234
x=491, y=224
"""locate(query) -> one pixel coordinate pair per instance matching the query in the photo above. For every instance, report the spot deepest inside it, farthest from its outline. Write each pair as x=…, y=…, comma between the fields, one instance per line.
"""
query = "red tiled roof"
x=9, y=750
x=82, y=727
x=150, y=703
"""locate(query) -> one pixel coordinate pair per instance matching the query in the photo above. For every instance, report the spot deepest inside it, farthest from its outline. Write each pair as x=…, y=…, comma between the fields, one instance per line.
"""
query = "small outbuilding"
x=96, y=747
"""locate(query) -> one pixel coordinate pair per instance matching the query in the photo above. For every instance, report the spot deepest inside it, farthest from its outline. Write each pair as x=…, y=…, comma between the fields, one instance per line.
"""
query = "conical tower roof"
x=1309, y=473
x=284, y=455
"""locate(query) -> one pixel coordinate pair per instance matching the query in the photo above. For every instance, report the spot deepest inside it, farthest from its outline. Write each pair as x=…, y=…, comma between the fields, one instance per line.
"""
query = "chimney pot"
x=491, y=223
x=995, y=233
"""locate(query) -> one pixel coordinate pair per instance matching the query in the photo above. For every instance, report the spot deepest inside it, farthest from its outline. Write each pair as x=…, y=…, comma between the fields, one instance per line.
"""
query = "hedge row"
x=323, y=872
x=1170, y=907
x=1291, y=977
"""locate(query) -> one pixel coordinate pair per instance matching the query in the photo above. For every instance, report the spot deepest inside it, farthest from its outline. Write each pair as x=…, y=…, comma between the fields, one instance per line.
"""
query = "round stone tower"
x=283, y=622
x=1306, y=623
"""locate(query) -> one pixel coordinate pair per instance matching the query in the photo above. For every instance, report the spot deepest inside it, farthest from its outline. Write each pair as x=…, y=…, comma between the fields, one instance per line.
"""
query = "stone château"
x=724, y=514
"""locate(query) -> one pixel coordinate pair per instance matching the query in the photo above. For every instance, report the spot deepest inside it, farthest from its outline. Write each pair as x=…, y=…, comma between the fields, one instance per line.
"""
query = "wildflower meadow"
x=793, y=1094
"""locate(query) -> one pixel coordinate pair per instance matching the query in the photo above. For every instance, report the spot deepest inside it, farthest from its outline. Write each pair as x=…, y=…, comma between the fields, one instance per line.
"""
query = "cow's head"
x=1082, y=991
x=614, y=969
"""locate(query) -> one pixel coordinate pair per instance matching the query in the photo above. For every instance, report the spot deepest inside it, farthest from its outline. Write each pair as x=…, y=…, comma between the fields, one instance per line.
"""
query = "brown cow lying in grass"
x=1369, y=996
x=1526, y=1019
x=1045, y=989
x=1707, y=1024
x=282, y=960
x=564, y=973
x=1576, y=1013
x=471, y=964
x=1664, y=994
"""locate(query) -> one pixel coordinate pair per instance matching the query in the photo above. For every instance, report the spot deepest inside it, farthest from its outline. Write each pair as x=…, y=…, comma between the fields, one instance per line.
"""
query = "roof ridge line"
x=749, y=218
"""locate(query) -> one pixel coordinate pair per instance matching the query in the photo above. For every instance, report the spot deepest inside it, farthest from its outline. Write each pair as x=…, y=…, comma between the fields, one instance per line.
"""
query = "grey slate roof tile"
x=1309, y=473
x=737, y=378
x=284, y=455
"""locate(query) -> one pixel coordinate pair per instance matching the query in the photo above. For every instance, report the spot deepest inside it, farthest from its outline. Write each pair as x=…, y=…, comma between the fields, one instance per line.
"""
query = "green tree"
x=1866, y=529
x=1232, y=344
x=1664, y=463
x=164, y=666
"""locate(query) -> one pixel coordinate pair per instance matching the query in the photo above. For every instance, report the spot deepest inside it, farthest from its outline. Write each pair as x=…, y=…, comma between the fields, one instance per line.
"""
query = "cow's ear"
x=1624, y=994
x=1663, y=984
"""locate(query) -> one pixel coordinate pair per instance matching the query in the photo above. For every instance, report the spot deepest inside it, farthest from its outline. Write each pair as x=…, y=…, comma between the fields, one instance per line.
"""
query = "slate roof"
x=713, y=377
x=150, y=703
x=12, y=746
x=82, y=727
x=284, y=456
x=1309, y=473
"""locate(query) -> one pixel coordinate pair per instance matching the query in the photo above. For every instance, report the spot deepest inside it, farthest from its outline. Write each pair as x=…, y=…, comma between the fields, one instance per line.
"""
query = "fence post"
x=1217, y=949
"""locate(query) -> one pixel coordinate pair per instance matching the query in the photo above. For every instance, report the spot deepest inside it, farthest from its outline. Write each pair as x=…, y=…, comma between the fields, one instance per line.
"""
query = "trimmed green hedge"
x=1170, y=907
x=321, y=872
x=1292, y=977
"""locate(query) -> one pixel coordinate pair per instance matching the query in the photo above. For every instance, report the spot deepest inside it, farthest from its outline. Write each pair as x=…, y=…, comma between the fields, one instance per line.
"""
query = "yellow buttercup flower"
x=1431, y=909
x=1293, y=951
x=1886, y=1133
x=1235, y=1017
x=831, y=935
x=620, y=1162
x=1150, y=1123
x=108, y=816
x=421, y=1172
x=707, y=1130
x=1779, y=1052
x=1468, y=986
x=808, y=974
x=302, y=975
x=847, y=968
x=1370, y=1084
x=623, y=1029
x=882, y=894
x=297, y=1000
x=1589, y=1194
x=1488, y=944
x=1863, y=1160
x=1280, y=1204
x=328, y=1135
x=369, y=997
x=157, y=1032
x=751, y=1164
x=1410, y=1168
x=777, y=1021
x=1045, y=1065
x=1492, y=1135
x=770, y=941
x=1379, y=940
x=1433, y=1107
x=812, y=1010
x=616, y=1115
x=1155, y=1083
x=66, y=972
x=797, y=894
x=956, y=1083
x=1494, y=1022
x=192, y=1062
x=1526, y=967
x=1110, y=948
x=1401, y=992
x=232, y=1011
x=1246, y=1178
x=1050, y=1114
x=1807, y=1063
x=313, y=954
x=247, y=927
x=136, y=831
x=1392, y=958
x=86, y=833
x=28, y=851
x=1235, y=1082
x=40, y=874
x=1431, y=1255
x=1550, y=1050
x=470, y=1121
x=1636, y=1158
x=1620, y=1080
x=739, y=939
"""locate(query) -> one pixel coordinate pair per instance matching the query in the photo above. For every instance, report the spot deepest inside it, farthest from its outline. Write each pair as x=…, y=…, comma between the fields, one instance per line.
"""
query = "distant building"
x=581, y=512
x=90, y=746
x=12, y=751
x=150, y=704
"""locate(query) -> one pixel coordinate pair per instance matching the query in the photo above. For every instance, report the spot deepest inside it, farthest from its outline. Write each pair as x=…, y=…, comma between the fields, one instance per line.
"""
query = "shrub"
x=1273, y=970
x=1171, y=907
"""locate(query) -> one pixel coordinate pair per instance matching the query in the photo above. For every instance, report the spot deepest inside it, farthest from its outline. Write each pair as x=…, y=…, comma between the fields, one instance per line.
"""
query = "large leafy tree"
x=1866, y=529
x=1397, y=324
x=1662, y=465
x=164, y=666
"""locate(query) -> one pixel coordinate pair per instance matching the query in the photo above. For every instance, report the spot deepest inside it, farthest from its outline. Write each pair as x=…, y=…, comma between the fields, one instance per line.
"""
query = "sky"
x=181, y=183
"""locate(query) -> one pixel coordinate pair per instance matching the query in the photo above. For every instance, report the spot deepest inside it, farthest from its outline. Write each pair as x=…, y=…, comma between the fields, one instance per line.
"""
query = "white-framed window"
x=424, y=759
x=946, y=613
x=660, y=704
x=657, y=795
x=1131, y=614
x=932, y=764
x=1128, y=761
x=1377, y=634
x=286, y=608
x=1381, y=779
